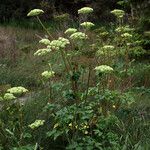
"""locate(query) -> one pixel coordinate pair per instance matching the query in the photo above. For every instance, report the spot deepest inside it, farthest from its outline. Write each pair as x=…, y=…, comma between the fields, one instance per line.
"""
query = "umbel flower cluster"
x=87, y=25
x=78, y=36
x=103, y=69
x=124, y=29
x=9, y=96
x=48, y=74
x=13, y=92
x=85, y=10
x=126, y=35
x=45, y=41
x=118, y=13
x=58, y=44
x=70, y=31
x=35, y=12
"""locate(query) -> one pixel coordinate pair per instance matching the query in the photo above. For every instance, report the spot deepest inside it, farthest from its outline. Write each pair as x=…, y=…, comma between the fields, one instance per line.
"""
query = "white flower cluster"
x=17, y=90
x=45, y=41
x=35, y=12
x=78, y=36
x=59, y=44
x=103, y=69
x=48, y=74
x=42, y=52
x=36, y=124
x=85, y=10
x=87, y=25
x=70, y=31
x=118, y=13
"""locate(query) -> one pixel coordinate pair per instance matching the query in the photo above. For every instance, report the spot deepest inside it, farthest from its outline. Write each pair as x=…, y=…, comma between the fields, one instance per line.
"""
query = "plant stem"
x=44, y=27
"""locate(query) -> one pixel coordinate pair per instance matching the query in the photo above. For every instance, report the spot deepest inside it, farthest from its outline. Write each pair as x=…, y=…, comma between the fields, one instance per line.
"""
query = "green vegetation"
x=81, y=87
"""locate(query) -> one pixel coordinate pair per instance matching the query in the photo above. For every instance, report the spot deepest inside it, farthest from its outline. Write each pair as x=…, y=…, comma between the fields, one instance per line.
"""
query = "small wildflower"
x=17, y=90
x=70, y=31
x=42, y=52
x=36, y=124
x=118, y=13
x=9, y=96
x=48, y=74
x=35, y=12
x=45, y=41
x=87, y=25
x=85, y=10
x=78, y=36
x=103, y=69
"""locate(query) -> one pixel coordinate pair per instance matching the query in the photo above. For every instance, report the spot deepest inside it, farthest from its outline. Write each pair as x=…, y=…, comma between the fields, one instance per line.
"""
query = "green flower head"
x=118, y=13
x=103, y=69
x=70, y=31
x=37, y=124
x=85, y=10
x=78, y=36
x=17, y=90
x=48, y=74
x=9, y=96
x=42, y=52
x=87, y=25
x=35, y=12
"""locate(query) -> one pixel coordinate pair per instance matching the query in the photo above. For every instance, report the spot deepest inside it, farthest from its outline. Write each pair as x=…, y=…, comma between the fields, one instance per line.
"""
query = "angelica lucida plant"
x=86, y=96
x=12, y=107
